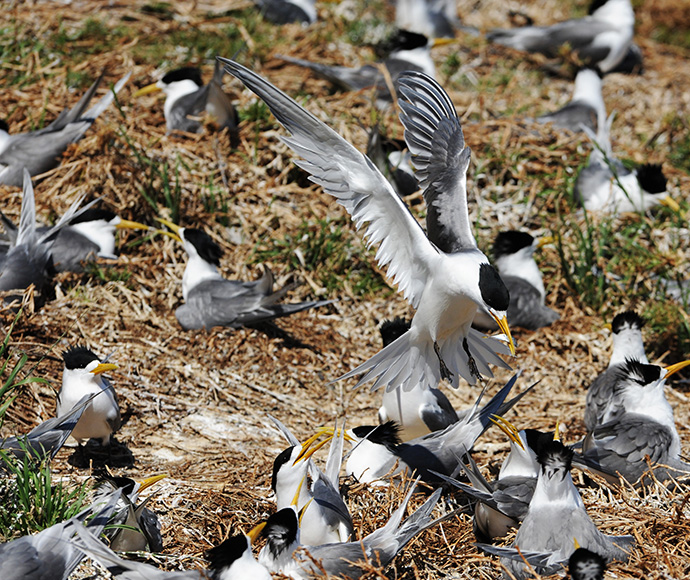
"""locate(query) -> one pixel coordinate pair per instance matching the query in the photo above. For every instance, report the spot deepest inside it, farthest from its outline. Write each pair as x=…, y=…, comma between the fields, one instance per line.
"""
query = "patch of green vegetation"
x=328, y=249
x=679, y=152
x=216, y=202
x=676, y=36
x=107, y=273
x=162, y=10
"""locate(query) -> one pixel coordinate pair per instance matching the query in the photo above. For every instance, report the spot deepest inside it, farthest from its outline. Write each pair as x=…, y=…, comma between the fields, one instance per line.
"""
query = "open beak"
x=126, y=224
x=545, y=241
x=103, y=368
x=255, y=531
x=503, y=326
x=308, y=447
x=676, y=367
x=508, y=428
x=175, y=234
x=151, y=480
x=152, y=88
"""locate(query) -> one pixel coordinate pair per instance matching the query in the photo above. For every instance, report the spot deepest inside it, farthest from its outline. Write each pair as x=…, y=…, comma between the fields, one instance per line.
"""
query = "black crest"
x=92, y=215
x=406, y=40
x=595, y=5
x=206, y=248
x=492, y=288
x=281, y=530
x=393, y=329
x=651, y=178
x=386, y=434
x=537, y=440
x=642, y=374
x=554, y=455
x=78, y=357
x=512, y=241
x=586, y=565
x=626, y=320
x=182, y=74
x=222, y=556
x=281, y=460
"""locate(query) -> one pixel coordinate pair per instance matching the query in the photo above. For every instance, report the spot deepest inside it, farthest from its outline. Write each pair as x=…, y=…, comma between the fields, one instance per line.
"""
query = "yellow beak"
x=544, y=241
x=151, y=480
x=442, y=41
x=103, y=368
x=676, y=367
x=508, y=428
x=153, y=88
x=126, y=224
x=255, y=531
x=174, y=227
x=671, y=203
x=503, y=326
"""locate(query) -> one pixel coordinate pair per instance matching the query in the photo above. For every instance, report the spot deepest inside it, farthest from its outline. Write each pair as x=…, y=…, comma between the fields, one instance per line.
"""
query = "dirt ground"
x=195, y=404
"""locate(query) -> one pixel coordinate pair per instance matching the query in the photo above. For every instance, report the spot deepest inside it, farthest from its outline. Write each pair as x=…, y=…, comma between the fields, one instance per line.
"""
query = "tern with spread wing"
x=39, y=151
x=445, y=288
x=211, y=300
x=600, y=39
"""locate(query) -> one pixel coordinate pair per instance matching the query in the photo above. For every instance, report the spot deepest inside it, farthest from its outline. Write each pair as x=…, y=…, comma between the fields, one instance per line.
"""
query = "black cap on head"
x=279, y=461
x=512, y=241
x=78, y=357
x=492, y=288
x=4, y=126
x=643, y=374
x=222, y=556
x=281, y=530
x=393, y=329
x=92, y=215
x=181, y=74
x=586, y=565
x=207, y=249
x=407, y=40
x=595, y=5
x=536, y=439
x=553, y=455
x=626, y=320
x=651, y=178
x=386, y=434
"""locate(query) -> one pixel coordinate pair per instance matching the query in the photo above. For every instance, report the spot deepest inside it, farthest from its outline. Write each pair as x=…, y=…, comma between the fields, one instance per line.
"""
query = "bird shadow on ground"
x=289, y=341
x=93, y=454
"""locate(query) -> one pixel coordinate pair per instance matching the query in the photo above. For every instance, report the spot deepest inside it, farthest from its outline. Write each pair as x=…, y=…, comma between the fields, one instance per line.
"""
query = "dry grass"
x=195, y=403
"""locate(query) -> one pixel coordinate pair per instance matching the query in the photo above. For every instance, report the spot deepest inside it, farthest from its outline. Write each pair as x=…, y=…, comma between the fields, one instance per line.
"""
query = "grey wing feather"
x=601, y=397
x=439, y=416
x=526, y=308
x=191, y=105
x=541, y=560
x=441, y=158
x=71, y=249
x=572, y=117
x=345, y=78
x=291, y=439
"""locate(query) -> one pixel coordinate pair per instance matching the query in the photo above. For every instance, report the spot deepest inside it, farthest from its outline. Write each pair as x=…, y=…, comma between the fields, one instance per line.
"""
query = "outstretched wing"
x=355, y=182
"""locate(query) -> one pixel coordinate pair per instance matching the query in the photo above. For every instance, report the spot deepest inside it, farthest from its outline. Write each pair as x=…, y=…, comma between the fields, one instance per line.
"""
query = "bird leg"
x=445, y=371
x=474, y=371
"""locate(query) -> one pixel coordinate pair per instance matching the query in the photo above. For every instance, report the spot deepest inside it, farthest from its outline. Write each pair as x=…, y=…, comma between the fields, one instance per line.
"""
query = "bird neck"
x=651, y=402
x=555, y=491
x=175, y=91
x=521, y=264
x=100, y=233
x=588, y=90
x=420, y=57
x=519, y=463
x=616, y=12
x=627, y=344
x=197, y=271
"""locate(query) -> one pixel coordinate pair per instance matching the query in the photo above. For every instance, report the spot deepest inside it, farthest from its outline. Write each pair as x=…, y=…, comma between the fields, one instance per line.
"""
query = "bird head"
x=224, y=555
x=81, y=360
x=169, y=82
x=195, y=241
x=555, y=460
x=496, y=299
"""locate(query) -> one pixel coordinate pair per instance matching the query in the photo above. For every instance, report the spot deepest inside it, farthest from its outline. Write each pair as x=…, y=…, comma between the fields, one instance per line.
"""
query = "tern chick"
x=39, y=151
x=211, y=300
x=83, y=375
x=445, y=288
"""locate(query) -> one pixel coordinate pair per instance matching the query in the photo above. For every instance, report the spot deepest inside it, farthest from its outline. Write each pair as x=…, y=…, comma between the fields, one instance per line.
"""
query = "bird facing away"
x=49, y=554
x=626, y=329
x=341, y=559
x=419, y=410
x=46, y=439
x=640, y=431
x=601, y=39
x=408, y=51
x=605, y=184
x=445, y=288
x=211, y=300
x=89, y=236
x=40, y=151
x=83, y=375
x=586, y=565
x=513, y=255
x=586, y=107
x=287, y=11
x=187, y=99
x=557, y=516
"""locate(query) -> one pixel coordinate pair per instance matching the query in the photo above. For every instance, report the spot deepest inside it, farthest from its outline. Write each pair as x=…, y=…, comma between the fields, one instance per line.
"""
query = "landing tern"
x=445, y=288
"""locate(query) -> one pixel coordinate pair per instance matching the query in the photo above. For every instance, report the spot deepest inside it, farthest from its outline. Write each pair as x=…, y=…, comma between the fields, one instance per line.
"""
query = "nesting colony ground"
x=195, y=403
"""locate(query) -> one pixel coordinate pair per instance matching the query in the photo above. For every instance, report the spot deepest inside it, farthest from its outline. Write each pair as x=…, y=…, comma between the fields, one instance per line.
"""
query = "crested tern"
x=601, y=39
x=408, y=51
x=605, y=184
x=513, y=255
x=640, y=432
x=82, y=375
x=211, y=300
x=49, y=554
x=586, y=107
x=287, y=11
x=557, y=516
x=187, y=98
x=40, y=151
x=626, y=328
x=341, y=559
x=419, y=410
x=437, y=452
x=46, y=439
x=445, y=288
